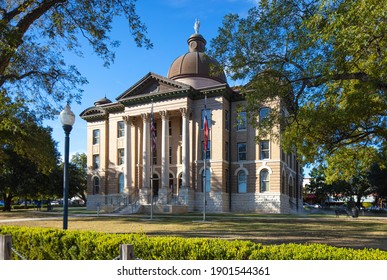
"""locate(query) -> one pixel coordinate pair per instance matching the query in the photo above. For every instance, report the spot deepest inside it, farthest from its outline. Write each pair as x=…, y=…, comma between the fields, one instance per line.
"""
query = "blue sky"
x=169, y=23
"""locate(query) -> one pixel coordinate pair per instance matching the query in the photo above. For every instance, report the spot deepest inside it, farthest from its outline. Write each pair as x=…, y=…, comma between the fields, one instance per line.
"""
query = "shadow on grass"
x=364, y=232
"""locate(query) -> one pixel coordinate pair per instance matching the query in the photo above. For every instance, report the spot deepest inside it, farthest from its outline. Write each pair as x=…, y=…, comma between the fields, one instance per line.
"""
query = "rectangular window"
x=170, y=128
x=208, y=154
x=95, y=162
x=208, y=119
x=226, y=120
x=265, y=149
x=263, y=114
x=241, y=121
x=170, y=155
x=96, y=136
x=120, y=129
x=120, y=156
x=242, y=151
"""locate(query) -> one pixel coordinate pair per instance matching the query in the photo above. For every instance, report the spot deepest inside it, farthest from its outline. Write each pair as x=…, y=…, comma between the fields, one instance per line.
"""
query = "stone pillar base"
x=163, y=196
x=186, y=197
x=144, y=196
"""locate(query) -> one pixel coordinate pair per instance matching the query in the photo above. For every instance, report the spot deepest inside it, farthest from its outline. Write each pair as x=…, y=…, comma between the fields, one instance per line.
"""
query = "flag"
x=205, y=126
x=153, y=131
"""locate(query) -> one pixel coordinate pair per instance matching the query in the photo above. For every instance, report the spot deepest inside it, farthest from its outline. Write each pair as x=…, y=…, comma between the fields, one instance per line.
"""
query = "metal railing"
x=122, y=200
x=170, y=198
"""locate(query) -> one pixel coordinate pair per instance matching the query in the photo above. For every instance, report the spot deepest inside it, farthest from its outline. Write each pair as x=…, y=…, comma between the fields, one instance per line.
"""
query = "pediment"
x=94, y=113
x=151, y=85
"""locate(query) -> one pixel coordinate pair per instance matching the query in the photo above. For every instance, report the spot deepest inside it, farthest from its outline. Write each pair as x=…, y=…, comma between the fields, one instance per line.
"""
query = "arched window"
x=264, y=180
x=207, y=177
x=171, y=183
x=291, y=190
x=242, y=179
x=121, y=184
x=295, y=188
x=180, y=180
x=96, y=185
x=155, y=181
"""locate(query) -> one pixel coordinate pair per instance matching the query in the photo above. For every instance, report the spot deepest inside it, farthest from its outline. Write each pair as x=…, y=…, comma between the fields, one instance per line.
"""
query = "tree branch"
x=32, y=16
x=8, y=16
x=21, y=28
x=360, y=76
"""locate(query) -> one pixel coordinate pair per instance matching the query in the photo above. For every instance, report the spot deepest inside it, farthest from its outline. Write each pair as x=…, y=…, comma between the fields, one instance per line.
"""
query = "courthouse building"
x=132, y=163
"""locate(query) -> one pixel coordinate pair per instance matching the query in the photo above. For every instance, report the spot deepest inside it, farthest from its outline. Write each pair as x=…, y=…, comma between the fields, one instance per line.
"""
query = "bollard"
x=5, y=247
x=126, y=252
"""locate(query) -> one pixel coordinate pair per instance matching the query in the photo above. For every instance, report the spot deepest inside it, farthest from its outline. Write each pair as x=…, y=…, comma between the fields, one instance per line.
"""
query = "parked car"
x=376, y=209
x=1, y=203
x=307, y=205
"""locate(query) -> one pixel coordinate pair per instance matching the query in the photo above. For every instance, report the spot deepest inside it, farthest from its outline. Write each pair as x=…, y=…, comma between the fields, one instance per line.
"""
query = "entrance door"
x=155, y=184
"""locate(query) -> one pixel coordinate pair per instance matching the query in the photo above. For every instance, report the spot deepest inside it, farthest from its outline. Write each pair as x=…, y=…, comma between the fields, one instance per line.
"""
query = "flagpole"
x=205, y=130
x=152, y=151
x=205, y=187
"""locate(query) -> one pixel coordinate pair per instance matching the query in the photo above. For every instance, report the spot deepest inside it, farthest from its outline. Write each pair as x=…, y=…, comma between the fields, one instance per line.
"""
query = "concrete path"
x=28, y=219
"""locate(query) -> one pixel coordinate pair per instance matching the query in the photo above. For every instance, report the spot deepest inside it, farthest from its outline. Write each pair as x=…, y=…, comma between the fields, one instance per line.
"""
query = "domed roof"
x=196, y=63
x=102, y=101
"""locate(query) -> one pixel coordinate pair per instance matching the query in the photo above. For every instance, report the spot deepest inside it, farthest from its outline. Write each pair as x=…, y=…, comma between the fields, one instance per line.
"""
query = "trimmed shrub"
x=54, y=244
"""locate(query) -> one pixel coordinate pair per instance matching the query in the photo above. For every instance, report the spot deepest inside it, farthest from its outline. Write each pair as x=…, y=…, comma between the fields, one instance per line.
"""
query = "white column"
x=145, y=151
x=164, y=150
x=128, y=162
x=185, y=147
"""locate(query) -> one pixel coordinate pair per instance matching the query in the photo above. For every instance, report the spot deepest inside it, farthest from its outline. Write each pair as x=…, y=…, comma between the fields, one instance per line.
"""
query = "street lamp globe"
x=67, y=117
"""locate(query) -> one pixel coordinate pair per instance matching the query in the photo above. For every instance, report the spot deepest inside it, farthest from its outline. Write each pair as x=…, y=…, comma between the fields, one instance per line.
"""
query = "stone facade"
x=242, y=175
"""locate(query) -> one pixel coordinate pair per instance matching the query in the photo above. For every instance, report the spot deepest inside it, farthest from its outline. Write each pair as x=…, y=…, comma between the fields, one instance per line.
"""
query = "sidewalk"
x=27, y=219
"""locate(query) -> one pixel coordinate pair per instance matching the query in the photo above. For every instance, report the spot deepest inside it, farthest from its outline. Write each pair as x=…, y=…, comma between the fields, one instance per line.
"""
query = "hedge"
x=54, y=244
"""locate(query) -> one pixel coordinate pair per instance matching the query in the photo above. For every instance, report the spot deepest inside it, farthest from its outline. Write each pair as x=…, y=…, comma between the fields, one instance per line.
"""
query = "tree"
x=34, y=35
x=27, y=152
x=77, y=178
x=350, y=162
x=377, y=175
x=325, y=60
x=22, y=133
x=26, y=173
x=358, y=186
x=378, y=180
x=324, y=189
x=78, y=175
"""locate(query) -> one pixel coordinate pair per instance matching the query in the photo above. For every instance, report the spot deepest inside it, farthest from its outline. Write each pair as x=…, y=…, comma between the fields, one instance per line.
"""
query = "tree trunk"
x=358, y=201
x=7, y=203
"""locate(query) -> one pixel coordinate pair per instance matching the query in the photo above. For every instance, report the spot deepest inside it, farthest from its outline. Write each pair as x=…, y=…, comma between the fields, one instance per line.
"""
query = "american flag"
x=153, y=131
x=205, y=125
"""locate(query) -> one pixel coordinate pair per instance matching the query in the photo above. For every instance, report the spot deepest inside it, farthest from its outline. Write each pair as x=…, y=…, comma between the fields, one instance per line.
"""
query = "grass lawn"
x=365, y=231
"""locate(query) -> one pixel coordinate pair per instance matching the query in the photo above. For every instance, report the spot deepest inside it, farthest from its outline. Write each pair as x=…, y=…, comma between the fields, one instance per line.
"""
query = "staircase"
x=123, y=203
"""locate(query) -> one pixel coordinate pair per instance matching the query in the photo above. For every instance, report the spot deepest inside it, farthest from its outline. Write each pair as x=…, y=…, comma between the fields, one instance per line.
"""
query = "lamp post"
x=67, y=119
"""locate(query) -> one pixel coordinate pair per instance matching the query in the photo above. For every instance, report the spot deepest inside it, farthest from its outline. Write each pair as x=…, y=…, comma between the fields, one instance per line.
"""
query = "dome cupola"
x=195, y=67
x=102, y=101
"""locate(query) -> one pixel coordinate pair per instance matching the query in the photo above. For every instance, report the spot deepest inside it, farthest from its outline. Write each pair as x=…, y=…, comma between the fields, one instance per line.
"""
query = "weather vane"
x=197, y=26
